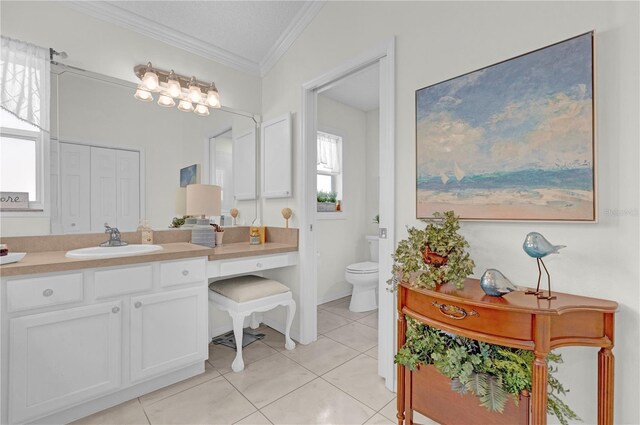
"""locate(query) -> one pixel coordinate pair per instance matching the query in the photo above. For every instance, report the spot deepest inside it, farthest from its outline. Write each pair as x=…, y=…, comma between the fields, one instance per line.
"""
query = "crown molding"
x=125, y=19
x=290, y=34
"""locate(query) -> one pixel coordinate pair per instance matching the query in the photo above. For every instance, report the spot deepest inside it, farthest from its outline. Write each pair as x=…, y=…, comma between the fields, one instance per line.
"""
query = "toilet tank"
x=372, y=240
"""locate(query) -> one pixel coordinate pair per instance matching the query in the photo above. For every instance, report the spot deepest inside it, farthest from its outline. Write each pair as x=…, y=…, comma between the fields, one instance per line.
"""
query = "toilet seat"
x=366, y=267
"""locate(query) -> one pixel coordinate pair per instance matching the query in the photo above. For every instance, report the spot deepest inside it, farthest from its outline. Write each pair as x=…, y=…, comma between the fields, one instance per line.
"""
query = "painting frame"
x=190, y=175
x=528, y=158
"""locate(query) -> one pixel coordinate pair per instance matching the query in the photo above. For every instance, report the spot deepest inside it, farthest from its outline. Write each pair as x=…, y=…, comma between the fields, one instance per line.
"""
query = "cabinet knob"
x=47, y=292
x=115, y=309
x=73, y=224
x=138, y=304
x=259, y=265
x=185, y=272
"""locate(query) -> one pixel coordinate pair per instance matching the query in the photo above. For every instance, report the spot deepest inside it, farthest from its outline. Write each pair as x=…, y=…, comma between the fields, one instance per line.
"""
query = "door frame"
x=384, y=56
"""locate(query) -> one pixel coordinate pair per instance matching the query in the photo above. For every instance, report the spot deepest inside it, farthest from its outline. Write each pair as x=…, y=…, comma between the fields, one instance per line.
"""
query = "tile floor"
x=332, y=381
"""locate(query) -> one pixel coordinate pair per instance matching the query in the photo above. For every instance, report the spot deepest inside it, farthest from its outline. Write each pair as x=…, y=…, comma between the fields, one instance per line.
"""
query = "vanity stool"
x=245, y=295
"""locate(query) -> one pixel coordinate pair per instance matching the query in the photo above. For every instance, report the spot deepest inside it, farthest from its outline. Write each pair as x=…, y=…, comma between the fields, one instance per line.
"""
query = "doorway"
x=382, y=57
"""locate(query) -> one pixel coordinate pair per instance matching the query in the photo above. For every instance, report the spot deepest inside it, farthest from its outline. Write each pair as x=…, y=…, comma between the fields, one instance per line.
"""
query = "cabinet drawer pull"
x=453, y=311
x=259, y=265
x=115, y=310
x=185, y=272
x=138, y=304
x=47, y=292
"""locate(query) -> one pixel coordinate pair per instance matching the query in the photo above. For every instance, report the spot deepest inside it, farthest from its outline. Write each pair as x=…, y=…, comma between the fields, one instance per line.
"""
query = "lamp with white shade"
x=203, y=200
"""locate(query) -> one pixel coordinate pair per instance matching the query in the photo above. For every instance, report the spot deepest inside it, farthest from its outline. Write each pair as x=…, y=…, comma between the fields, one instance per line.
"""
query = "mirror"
x=116, y=159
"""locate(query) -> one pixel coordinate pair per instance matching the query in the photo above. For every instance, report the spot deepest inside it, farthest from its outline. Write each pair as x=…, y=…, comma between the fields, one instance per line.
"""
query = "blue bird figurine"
x=494, y=283
x=536, y=246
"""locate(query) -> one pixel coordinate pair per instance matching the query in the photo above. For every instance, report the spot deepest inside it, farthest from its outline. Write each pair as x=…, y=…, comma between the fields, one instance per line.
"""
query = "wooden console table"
x=515, y=320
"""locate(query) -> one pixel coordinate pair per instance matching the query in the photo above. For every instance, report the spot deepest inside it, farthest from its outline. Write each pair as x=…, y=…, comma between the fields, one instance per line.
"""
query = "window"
x=21, y=158
x=329, y=164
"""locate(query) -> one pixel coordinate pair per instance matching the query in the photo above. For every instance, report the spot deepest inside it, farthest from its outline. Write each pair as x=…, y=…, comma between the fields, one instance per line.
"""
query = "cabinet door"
x=276, y=158
x=127, y=190
x=61, y=358
x=244, y=165
x=169, y=330
x=103, y=188
x=75, y=179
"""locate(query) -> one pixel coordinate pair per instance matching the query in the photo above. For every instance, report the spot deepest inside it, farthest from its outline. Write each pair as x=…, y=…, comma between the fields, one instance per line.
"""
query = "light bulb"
x=195, y=95
x=185, y=106
x=173, y=85
x=143, y=95
x=166, y=101
x=201, y=110
x=150, y=79
x=213, y=97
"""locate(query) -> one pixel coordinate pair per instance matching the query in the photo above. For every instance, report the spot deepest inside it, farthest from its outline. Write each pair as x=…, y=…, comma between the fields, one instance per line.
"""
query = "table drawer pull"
x=259, y=265
x=47, y=292
x=115, y=310
x=137, y=304
x=185, y=272
x=453, y=311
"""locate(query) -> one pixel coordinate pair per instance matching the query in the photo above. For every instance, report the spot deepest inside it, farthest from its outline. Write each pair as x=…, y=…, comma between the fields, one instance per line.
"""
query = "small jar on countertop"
x=4, y=249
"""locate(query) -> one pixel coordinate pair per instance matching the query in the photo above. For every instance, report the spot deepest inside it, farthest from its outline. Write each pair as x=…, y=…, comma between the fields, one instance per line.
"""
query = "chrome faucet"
x=114, y=236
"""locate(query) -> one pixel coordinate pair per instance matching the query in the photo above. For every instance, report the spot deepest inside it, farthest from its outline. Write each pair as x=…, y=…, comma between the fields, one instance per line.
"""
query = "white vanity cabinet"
x=77, y=342
x=61, y=358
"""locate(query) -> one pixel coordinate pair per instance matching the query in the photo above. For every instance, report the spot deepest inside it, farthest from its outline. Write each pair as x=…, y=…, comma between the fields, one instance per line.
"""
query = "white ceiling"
x=247, y=35
x=360, y=90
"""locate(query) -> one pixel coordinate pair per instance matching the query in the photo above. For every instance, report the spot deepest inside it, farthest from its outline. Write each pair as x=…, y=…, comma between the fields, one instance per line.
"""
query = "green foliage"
x=177, y=222
x=491, y=372
x=323, y=196
x=442, y=237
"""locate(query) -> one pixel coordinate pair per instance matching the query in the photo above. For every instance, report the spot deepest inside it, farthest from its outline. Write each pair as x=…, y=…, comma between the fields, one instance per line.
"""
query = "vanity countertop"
x=55, y=261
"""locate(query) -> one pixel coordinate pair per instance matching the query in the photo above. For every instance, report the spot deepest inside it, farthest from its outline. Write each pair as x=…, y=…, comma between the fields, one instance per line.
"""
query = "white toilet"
x=364, y=278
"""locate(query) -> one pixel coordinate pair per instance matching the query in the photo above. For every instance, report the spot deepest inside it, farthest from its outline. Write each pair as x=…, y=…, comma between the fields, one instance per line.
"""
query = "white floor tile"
x=355, y=335
x=272, y=338
x=213, y=402
x=342, y=309
x=321, y=356
x=317, y=402
x=390, y=411
x=329, y=321
x=370, y=320
x=378, y=419
x=209, y=373
x=372, y=352
x=128, y=413
x=269, y=379
x=256, y=418
x=359, y=378
x=221, y=357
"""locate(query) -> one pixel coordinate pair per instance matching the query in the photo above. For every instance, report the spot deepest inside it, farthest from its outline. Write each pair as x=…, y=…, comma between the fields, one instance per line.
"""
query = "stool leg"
x=238, y=321
x=291, y=311
x=254, y=322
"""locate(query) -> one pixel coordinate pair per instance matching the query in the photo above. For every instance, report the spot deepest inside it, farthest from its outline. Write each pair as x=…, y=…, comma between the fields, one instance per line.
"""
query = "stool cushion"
x=247, y=288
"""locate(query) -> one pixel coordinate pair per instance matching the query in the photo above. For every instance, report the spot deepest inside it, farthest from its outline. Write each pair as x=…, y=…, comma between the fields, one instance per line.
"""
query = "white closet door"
x=244, y=165
x=127, y=190
x=103, y=188
x=75, y=188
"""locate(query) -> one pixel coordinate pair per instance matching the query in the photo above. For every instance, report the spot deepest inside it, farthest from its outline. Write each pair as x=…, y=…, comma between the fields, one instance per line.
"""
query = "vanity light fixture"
x=190, y=94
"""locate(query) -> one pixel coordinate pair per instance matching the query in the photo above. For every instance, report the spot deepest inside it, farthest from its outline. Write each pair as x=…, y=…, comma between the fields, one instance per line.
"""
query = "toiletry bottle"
x=147, y=234
x=254, y=236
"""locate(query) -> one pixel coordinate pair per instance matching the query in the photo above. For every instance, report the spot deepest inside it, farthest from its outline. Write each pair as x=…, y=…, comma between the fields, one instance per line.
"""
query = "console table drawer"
x=495, y=322
x=23, y=294
x=250, y=265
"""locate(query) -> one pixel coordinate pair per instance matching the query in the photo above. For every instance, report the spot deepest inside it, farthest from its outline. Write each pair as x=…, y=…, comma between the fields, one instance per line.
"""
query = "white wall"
x=436, y=41
x=341, y=241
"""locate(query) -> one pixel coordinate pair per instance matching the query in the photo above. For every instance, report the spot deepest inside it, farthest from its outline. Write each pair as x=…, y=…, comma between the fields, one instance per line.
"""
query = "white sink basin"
x=112, y=251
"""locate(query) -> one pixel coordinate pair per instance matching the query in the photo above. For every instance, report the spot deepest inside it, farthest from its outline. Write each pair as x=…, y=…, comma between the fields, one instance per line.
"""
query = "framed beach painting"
x=190, y=175
x=512, y=141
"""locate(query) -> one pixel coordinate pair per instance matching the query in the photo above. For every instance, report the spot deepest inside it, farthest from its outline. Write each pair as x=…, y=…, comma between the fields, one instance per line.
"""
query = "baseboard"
x=333, y=297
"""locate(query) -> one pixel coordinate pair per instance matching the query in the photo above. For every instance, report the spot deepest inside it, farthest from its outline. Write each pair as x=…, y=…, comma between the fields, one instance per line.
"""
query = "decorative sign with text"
x=14, y=200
